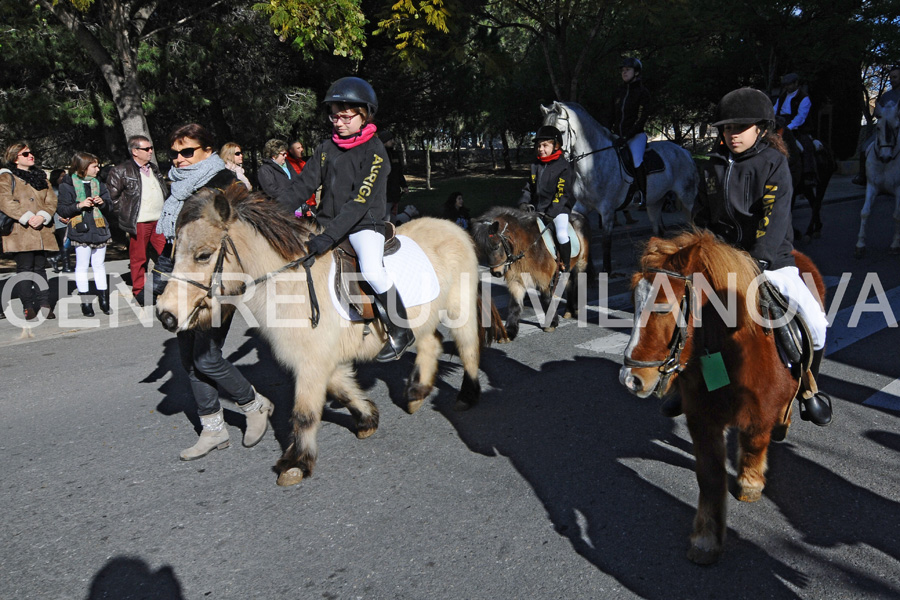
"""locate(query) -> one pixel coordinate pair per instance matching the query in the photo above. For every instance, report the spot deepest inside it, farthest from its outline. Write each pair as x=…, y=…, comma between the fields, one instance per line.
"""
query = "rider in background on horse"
x=549, y=189
x=627, y=118
x=793, y=106
x=891, y=95
x=352, y=167
x=745, y=198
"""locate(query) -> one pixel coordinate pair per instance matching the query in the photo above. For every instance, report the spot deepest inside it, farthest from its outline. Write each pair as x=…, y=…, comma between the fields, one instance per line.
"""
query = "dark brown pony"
x=673, y=293
x=509, y=242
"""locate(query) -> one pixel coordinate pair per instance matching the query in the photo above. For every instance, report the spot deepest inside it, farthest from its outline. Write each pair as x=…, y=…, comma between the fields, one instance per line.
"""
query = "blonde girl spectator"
x=233, y=157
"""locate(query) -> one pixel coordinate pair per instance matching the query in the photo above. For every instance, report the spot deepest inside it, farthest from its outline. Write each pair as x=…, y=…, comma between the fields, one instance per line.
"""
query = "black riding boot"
x=565, y=255
x=55, y=261
x=818, y=408
x=392, y=315
x=66, y=259
x=86, y=305
x=640, y=178
x=103, y=300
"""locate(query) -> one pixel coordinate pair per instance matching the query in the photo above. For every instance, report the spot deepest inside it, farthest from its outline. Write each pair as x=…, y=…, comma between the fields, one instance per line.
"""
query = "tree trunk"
x=426, y=146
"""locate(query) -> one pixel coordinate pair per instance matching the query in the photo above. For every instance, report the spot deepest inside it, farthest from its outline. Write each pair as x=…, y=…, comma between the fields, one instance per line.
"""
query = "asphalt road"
x=558, y=485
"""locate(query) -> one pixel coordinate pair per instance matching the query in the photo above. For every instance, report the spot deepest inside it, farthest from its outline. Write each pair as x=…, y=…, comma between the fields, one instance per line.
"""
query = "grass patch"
x=480, y=190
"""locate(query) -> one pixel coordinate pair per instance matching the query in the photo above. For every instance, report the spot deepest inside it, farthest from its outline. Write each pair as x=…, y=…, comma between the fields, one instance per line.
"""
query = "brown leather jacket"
x=124, y=184
x=21, y=205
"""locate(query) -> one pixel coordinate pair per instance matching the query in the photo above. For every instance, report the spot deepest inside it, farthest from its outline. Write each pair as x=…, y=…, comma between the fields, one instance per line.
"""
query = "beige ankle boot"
x=257, y=412
x=213, y=436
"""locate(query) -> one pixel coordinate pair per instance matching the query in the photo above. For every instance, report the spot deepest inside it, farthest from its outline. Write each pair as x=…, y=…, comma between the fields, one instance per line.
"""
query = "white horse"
x=601, y=181
x=882, y=173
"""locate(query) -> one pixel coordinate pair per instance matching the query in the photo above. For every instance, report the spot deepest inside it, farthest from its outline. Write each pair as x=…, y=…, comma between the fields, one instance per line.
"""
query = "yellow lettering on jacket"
x=366, y=188
x=768, y=205
x=560, y=189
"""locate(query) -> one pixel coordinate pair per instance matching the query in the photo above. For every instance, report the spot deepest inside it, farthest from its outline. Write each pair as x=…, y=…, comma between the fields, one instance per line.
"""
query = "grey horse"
x=882, y=173
x=601, y=181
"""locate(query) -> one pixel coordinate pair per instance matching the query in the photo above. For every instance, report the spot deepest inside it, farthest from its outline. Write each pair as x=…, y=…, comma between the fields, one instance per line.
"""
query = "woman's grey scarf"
x=185, y=181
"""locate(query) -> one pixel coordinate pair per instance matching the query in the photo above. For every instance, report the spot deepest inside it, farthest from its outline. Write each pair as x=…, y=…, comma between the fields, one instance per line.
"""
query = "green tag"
x=714, y=373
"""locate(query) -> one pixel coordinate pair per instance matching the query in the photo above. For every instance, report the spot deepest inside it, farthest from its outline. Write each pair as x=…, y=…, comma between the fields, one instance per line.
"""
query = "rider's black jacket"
x=354, y=187
x=629, y=110
x=549, y=188
x=746, y=200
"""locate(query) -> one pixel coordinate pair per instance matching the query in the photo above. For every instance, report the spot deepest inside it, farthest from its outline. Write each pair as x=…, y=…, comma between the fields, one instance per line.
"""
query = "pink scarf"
x=364, y=135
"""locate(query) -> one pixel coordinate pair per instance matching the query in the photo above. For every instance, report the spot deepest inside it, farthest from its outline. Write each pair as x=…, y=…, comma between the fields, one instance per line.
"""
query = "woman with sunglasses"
x=26, y=196
x=233, y=157
x=196, y=165
x=352, y=167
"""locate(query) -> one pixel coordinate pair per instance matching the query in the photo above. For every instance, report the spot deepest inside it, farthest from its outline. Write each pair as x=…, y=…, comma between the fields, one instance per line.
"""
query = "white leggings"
x=561, y=222
x=787, y=280
x=369, y=248
x=95, y=257
x=637, y=145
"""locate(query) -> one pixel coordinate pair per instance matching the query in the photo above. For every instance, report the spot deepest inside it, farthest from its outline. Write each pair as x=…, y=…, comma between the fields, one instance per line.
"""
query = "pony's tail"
x=494, y=330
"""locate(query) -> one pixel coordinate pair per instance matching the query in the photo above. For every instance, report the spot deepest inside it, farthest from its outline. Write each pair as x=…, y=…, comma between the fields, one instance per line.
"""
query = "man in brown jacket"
x=137, y=190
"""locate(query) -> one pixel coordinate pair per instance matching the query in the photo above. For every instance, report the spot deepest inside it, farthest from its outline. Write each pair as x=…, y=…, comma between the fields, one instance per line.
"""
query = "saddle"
x=349, y=284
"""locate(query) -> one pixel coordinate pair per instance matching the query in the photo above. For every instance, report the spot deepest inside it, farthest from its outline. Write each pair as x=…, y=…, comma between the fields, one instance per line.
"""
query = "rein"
x=672, y=363
x=228, y=246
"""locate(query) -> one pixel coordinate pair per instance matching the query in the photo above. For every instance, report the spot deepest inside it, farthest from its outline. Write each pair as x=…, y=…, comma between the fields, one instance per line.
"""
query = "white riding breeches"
x=95, y=258
x=637, y=145
x=561, y=222
x=369, y=248
x=788, y=281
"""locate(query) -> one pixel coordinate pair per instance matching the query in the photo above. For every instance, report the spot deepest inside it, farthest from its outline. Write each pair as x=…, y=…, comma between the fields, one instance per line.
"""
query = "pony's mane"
x=699, y=251
x=286, y=234
x=479, y=227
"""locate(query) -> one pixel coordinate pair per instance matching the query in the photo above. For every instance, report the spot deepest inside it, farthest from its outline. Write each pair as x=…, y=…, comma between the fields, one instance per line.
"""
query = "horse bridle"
x=508, y=247
x=573, y=158
x=672, y=363
x=894, y=146
x=216, y=279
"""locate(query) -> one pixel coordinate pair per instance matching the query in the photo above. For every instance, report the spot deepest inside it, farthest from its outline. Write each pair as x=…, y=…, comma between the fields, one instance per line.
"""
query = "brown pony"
x=509, y=242
x=226, y=240
x=673, y=294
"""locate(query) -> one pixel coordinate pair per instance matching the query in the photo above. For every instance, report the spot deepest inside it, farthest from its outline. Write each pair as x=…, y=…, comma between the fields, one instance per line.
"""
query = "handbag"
x=6, y=221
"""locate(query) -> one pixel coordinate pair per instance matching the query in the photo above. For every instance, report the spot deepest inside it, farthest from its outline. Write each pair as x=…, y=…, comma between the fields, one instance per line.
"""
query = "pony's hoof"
x=364, y=433
x=806, y=238
x=505, y=340
x=568, y=315
x=701, y=556
x=290, y=477
x=816, y=234
x=549, y=329
x=748, y=494
x=413, y=405
x=859, y=252
x=462, y=405
x=894, y=251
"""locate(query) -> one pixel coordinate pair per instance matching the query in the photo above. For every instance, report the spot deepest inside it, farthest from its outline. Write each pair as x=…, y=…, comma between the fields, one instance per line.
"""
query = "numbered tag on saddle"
x=715, y=375
x=792, y=336
x=349, y=284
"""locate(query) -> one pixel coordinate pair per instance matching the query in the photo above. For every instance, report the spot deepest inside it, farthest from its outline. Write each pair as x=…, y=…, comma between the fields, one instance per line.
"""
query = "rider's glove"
x=318, y=244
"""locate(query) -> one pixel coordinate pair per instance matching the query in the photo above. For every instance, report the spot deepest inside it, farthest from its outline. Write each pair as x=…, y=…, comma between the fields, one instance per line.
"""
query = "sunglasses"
x=185, y=152
x=26, y=154
x=238, y=153
x=147, y=149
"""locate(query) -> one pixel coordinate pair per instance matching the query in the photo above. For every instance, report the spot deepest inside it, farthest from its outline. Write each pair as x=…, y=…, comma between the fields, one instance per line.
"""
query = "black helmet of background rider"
x=548, y=132
x=353, y=90
x=632, y=63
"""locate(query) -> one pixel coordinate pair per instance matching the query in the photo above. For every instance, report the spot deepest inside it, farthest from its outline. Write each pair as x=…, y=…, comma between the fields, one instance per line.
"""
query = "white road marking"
x=888, y=397
x=842, y=335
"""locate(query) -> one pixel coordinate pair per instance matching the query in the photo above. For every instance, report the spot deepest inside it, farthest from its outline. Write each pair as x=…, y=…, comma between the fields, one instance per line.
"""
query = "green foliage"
x=316, y=25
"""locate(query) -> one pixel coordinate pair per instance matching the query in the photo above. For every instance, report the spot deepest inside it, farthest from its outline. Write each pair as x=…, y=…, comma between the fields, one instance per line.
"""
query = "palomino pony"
x=882, y=173
x=224, y=239
x=601, y=181
x=510, y=242
x=680, y=281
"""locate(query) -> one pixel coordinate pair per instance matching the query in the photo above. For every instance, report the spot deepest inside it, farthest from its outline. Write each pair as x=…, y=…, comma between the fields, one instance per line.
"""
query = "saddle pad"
x=550, y=239
x=409, y=269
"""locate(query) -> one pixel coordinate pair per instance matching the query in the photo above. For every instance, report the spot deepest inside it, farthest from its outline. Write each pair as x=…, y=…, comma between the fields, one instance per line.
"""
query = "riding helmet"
x=632, y=63
x=352, y=90
x=744, y=106
x=790, y=78
x=548, y=132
